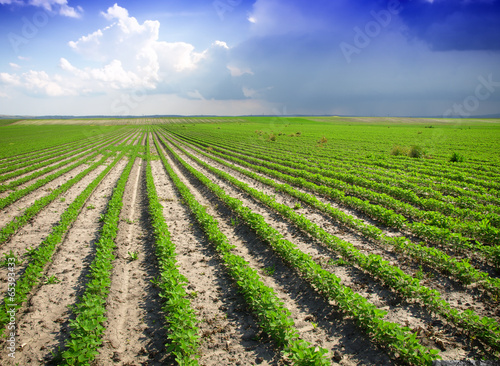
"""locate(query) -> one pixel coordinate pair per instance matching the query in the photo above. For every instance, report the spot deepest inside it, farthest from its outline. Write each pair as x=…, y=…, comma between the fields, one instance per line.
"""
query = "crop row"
x=406, y=168
x=461, y=270
x=364, y=175
x=365, y=201
x=433, y=234
x=180, y=317
x=87, y=326
x=74, y=155
x=10, y=229
x=39, y=162
x=399, y=340
x=14, y=196
x=36, y=156
x=43, y=254
x=456, y=175
x=273, y=317
x=483, y=328
x=484, y=231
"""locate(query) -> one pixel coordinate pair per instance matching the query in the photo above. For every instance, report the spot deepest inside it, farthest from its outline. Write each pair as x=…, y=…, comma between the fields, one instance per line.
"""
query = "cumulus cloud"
x=37, y=83
x=130, y=56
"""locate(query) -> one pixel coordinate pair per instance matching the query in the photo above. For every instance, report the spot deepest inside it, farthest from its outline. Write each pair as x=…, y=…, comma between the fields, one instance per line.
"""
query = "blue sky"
x=235, y=57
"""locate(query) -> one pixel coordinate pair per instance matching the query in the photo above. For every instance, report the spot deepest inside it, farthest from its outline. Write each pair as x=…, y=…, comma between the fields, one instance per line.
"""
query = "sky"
x=242, y=57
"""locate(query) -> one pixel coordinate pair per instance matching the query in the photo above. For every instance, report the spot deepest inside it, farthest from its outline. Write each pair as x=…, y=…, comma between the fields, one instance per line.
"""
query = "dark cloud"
x=454, y=25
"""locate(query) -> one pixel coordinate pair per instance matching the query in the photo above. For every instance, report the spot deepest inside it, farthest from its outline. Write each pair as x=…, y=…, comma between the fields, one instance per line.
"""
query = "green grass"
x=18, y=139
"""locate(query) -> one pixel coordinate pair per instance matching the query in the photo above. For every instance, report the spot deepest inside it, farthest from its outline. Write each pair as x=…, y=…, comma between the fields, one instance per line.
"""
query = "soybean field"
x=249, y=240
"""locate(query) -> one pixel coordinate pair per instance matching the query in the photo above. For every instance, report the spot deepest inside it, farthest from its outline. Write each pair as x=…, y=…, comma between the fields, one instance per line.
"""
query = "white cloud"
x=60, y=7
x=115, y=12
x=127, y=55
x=8, y=2
x=9, y=79
x=14, y=65
x=236, y=71
x=37, y=83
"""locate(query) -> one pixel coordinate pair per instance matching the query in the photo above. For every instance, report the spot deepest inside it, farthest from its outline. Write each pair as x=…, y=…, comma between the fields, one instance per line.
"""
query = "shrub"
x=272, y=137
x=416, y=152
x=457, y=158
x=399, y=150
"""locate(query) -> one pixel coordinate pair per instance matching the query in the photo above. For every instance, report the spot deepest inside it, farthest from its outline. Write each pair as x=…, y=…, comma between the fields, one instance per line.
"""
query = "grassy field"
x=249, y=240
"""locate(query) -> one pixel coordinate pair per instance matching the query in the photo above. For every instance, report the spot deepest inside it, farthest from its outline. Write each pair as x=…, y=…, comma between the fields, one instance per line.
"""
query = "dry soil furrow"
x=399, y=311
x=43, y=326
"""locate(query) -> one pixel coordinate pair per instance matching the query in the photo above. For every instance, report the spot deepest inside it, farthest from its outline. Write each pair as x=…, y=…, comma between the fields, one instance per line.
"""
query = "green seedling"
x=270, y=270
x=10, y=258
x=133, y=256
x=30, y=251
x=51, y=280
x=337, y=262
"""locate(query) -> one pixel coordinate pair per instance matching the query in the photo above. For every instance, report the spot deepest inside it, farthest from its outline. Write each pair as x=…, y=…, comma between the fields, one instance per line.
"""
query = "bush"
x=272, y=137
x=457, y=158
x=416, y=152
x=399, y=150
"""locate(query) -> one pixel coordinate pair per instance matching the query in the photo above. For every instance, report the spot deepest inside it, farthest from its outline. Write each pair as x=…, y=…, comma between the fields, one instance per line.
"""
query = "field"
x=249, y=240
